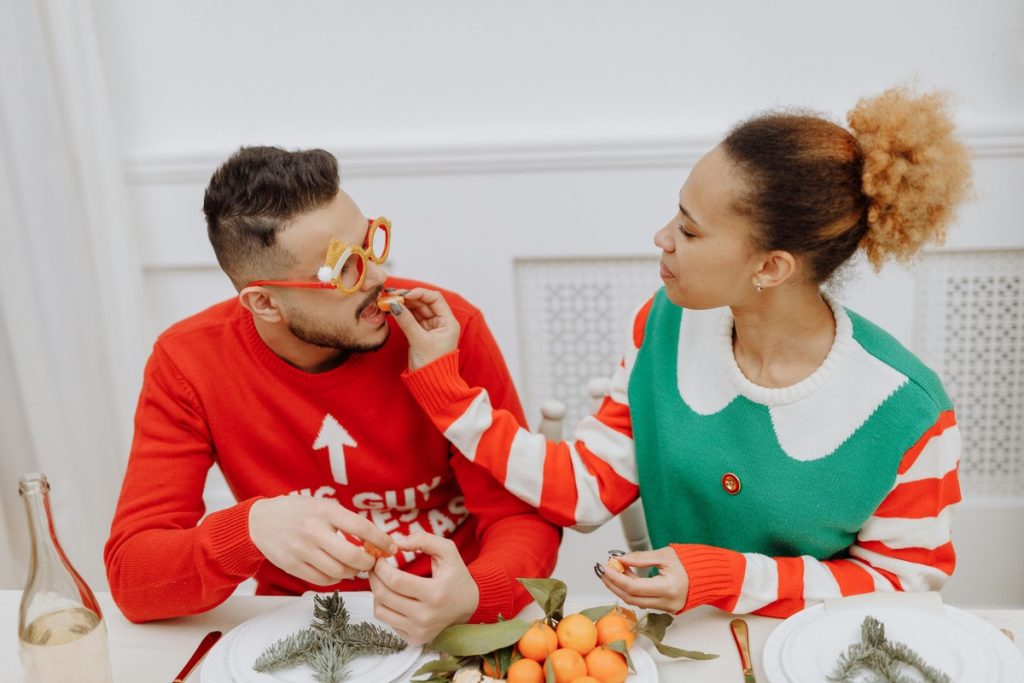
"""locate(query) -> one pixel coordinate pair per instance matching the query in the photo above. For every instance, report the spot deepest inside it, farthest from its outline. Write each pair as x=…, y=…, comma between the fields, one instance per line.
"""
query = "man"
x=294, y=390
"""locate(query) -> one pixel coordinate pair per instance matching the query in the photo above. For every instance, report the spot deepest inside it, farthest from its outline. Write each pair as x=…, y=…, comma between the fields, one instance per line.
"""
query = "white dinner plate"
x=807, y=645
x=231, y=661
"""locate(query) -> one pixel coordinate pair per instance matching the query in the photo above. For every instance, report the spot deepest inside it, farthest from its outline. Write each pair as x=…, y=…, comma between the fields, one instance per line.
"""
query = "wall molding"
x=530, y=157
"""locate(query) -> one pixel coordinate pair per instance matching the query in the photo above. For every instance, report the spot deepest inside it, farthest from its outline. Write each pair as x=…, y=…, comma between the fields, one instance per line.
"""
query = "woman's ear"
x=261, y=304
x=777, y=267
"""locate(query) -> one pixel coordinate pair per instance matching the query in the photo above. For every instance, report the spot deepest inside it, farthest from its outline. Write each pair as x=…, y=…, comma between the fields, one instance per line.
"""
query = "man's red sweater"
x=213, y=392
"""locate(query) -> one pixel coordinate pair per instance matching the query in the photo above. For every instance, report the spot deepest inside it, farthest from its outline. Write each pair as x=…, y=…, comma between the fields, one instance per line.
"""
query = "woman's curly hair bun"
x=915, y=171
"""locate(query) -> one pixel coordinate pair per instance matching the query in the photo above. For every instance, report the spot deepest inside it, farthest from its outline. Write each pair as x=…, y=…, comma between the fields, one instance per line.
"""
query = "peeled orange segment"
x=385, y=300
x=374, y=550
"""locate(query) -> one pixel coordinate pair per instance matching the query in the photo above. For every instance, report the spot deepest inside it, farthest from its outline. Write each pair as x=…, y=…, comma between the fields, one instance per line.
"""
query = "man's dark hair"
x=253, y=196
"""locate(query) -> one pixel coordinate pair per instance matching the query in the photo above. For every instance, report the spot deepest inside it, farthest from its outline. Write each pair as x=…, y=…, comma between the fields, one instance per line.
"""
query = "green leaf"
x=504, y=659
x=478, y=639
x=446, y=664
x=623, y=649
x=548, y=593
x=549, y=672
x=676, y=652
x=654, y=626
x=595, y=613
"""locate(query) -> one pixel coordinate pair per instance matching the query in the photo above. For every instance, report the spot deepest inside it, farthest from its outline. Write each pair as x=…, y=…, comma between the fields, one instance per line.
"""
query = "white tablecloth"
x=141, y=653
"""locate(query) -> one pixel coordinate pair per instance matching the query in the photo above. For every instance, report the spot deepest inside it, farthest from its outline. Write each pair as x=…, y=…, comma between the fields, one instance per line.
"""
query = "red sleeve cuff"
x=498, y=595
x=715, y=575
x=225, y=535
x=438, y=385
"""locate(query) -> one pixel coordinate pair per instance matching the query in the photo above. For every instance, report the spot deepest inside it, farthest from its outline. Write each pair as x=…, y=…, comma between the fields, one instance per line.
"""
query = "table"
x=156, y=651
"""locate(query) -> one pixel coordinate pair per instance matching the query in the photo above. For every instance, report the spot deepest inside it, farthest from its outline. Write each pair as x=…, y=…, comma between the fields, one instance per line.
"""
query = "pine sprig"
x=370, y=639
x=289, y=651
x=330, y=616
x=330, y=643
x=876, y=654
x=330, y=662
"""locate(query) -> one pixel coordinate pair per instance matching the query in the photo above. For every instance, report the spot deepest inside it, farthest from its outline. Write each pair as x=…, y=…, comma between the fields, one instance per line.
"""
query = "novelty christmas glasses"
x=345, y=264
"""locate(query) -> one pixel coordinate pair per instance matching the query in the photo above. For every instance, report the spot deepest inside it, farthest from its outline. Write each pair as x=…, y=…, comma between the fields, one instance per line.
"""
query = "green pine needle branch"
x=330, y=643
x=885, y=659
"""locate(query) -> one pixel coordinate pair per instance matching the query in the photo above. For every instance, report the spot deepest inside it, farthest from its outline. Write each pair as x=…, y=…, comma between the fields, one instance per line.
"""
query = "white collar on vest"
x=811, y=418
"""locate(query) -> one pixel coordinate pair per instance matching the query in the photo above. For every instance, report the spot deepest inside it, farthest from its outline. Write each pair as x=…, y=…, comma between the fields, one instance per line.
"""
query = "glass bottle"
x=61, y=632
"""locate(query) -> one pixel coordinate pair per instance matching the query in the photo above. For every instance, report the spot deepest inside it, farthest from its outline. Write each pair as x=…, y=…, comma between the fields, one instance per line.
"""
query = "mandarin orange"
x=525, y=671
x=538, y=642
x=607, y=666
x=614, y=626
x=566, y=664
x=577, y=632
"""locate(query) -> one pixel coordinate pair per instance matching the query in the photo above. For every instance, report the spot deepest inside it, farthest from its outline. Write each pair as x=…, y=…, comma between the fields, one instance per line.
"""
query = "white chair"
x=552, y=416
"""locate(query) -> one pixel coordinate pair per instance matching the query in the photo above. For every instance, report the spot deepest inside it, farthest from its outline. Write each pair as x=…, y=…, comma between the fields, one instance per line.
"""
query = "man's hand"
x=665, y=592
x=429, y=325
x=419, y=607
x=300, y=535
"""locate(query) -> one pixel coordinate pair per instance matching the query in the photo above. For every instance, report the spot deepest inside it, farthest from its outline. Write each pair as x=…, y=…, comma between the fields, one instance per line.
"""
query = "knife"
x=204, y=646
x=739, y=634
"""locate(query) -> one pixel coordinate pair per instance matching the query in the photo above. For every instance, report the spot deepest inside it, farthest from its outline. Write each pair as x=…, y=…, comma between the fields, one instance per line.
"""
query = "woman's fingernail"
x=599, y=570
x=395, y=309
x=616, y=553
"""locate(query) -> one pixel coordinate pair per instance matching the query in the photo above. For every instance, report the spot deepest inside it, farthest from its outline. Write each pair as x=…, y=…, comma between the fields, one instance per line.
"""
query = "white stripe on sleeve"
x=590, y=510
x=819, y=583
x=912, y=576
x=524, y=476
x=610, y=445
x=938, y=457
x=760, y=583
x=881, y=583
x=618, y=388
x=466, y=431
x=904, y=532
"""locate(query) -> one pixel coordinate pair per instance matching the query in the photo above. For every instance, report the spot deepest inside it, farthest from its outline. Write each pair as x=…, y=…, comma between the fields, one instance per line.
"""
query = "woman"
x=786, y=450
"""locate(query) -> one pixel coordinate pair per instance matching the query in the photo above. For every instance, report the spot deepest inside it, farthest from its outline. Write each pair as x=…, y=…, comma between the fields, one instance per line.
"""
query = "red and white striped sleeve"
x=904, y=545
x=584, y=481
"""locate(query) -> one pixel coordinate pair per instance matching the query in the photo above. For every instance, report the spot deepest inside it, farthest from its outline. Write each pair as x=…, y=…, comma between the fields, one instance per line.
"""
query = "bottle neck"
x=40, y=525
x=49, y=568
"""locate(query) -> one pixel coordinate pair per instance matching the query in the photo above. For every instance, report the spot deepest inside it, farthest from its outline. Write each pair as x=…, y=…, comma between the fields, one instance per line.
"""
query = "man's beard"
x=320, y=333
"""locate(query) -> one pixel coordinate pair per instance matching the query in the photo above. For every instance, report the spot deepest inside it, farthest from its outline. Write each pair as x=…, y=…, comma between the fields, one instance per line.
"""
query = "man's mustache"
x=370, y=299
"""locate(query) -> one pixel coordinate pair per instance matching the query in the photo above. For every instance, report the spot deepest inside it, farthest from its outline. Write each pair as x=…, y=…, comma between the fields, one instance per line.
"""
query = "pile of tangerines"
x=575, y=651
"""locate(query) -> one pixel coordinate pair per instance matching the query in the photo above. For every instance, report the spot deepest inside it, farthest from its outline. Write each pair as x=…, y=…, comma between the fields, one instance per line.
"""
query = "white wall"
x=494, y=131
x=448, y=116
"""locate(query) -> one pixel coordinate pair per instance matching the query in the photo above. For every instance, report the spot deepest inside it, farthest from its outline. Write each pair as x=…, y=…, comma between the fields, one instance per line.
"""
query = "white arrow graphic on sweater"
x=334, y=438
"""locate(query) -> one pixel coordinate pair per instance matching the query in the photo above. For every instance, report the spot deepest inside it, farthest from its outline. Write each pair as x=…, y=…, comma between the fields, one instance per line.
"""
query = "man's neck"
x=297, y=353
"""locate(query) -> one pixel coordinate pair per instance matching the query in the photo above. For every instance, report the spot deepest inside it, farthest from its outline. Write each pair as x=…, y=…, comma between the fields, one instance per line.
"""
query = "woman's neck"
x=783, y=336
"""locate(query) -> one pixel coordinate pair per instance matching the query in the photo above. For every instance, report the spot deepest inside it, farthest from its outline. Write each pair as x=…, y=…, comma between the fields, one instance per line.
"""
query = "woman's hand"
x=665, y=592
x=428, y=324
